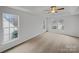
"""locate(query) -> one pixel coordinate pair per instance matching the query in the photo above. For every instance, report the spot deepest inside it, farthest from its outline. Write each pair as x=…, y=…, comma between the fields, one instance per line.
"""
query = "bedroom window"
x=10, y=27
x=58, y=24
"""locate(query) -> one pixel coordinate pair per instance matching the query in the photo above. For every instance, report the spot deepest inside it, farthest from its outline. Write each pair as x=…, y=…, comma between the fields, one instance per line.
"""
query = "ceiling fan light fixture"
x=53, y=9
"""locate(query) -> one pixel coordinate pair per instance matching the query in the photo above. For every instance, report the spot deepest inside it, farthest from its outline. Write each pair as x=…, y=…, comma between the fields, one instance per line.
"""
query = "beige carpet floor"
x=48, y=43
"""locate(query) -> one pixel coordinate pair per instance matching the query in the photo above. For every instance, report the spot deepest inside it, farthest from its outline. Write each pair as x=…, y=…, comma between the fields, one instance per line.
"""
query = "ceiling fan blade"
x=60, y=9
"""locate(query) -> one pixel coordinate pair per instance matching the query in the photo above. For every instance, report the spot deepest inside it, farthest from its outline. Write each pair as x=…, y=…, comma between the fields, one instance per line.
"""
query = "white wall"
x=71, y=25
x=1, y=37
x=30, y=26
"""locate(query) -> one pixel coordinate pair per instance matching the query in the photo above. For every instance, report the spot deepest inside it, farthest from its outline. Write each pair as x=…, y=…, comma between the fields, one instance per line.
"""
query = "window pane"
x=11, y=30
x=13, y=33
x=13, y=20
x=60, y=26
x=6, y=30
x=6, y=34
x=6, y=19
x=6, y=37
x=5, y=23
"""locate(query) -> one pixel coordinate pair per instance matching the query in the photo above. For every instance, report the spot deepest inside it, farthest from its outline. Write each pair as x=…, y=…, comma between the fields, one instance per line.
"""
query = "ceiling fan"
x=54, y=9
